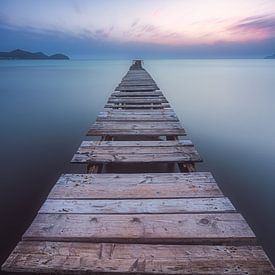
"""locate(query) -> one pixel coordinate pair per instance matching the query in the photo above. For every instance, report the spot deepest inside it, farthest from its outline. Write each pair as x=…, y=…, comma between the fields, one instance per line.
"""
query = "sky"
x=140, y=29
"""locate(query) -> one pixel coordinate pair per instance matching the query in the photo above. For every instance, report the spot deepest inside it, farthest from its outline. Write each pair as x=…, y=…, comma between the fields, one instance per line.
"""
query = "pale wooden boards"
x=136, y=194
x=136, y=186
x=137, y=106
x=137, y=206
x=137, y=88
x=137, y=100
x=166, y=111
x=137, y=94
x=206, y=228
x=87, y=258
x=78, y=255
x=133, y=116
x=142, y=128
x=136, y=152
x=137, y=80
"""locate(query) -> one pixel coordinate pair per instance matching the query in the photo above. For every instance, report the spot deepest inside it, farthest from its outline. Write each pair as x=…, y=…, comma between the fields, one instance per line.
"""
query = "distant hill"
x=20, y=54
x=270, y=56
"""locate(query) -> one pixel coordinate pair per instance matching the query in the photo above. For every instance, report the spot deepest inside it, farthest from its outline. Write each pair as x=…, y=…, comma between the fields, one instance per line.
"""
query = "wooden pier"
x=174, y=222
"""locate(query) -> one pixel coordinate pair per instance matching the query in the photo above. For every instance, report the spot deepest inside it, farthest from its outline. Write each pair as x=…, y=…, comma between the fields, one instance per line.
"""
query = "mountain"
x=20, y=54
x=270, y=56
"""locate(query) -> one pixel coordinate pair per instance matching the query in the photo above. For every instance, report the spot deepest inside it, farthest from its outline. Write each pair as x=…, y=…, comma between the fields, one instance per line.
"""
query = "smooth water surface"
x=226, y=106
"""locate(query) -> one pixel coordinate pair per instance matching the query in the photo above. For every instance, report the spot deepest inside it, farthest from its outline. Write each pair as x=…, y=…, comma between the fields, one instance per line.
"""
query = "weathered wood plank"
x=138, y=143
x=150, y=128
x=136, y=77
x=136, y=125
x=226, y=228
x=134, y=132
x=140, y=82
x=126, y=186
x=138, y=206
x=166, y=111
x=137, y=88
x=141, y=117
x=86, y=258
x=137, y=100
x=141, y=132
x=125, y=150
x=137, y=82
x=91, y=152
x=189, y=156
x=137, y=106
x=137, y=94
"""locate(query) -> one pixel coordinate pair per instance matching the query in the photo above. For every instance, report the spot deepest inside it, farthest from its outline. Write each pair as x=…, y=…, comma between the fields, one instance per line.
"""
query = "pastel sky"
x=144, y=28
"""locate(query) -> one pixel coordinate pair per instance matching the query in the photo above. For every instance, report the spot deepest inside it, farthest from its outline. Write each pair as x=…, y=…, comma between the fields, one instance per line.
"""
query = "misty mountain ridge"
x=21, y=54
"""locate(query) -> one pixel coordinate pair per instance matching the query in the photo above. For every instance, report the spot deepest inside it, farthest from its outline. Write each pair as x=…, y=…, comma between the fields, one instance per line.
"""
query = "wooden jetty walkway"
x=174, y=222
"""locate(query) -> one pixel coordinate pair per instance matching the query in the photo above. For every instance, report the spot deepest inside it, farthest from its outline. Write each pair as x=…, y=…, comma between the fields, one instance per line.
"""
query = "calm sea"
x=226, y=106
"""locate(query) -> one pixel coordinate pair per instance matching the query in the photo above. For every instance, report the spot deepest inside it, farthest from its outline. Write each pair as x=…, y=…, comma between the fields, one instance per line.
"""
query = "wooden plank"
x=139, y=143
x=139, y=186
x=123, y=117
x=137, y=106
x=134, y=82
x=138, y=113
x=137, y=88
x=134, y=153
x=155, y=128
x=125, y=150
x=226, y=228
x=136, y=125
x=87, y=258
x=166, y=111
x=142, y=132
x=148, y=128
x=136, y=94
x=134, y=76
x=137, y=84
x=138, y=206
x=137, y=100
x=137, y=78
x=188, y=156
x=137, y=74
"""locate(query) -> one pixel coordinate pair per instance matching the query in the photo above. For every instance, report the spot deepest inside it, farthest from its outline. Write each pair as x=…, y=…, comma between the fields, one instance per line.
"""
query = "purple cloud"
x=135, y=22
x=259, y=24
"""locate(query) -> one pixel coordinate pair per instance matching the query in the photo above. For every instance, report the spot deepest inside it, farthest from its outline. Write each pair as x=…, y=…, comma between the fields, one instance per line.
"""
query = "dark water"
x=226, y=106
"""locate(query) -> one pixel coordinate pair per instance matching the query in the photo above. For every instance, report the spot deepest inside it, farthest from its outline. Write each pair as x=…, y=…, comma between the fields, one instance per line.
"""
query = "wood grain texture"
x=140, y=117
x=92, y=258
x=226, y=228
x=126, y=186
x=137, y=106
x=188, y=156
x=137, y=94
x=137, y=88
x=152, y=112
x=137, y=100
x=141, y=111
x=89, y=152
x=139, y=143
x=138, y=206
x=134, y=132
x=137, y=125
x=140, y=82
x=149, y=128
